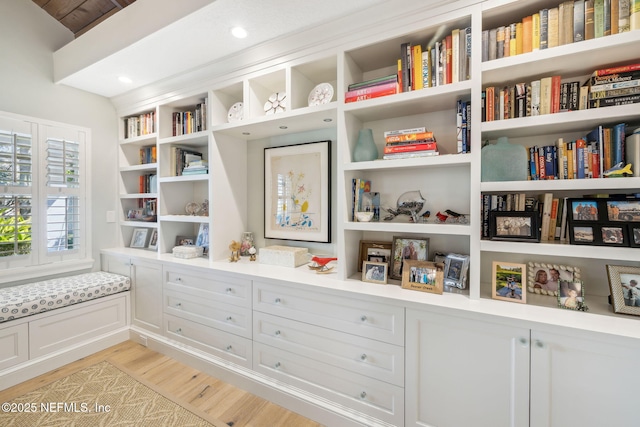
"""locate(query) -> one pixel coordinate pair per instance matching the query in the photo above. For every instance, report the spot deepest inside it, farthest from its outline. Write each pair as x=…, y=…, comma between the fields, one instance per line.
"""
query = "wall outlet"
x=111, y=216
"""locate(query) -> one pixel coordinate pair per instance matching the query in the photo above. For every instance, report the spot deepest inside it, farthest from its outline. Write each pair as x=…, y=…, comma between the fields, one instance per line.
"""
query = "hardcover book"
x=553, y=30
x=544, y=29
x=589, y=29
x=578, y=20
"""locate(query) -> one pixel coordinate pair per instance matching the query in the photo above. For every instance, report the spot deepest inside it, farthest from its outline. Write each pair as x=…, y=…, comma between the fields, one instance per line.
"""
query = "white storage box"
x=284, y=256
x=187, y=252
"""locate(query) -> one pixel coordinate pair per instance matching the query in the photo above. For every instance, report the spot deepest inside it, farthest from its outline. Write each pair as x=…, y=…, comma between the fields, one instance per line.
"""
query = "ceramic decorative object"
x=246, y=243
x=410, y=203
x=236, y=113
x=192, y=208
x=275, y=103
x=504, y=161
x=364, y=216
x=365, y=149
x=321, y=94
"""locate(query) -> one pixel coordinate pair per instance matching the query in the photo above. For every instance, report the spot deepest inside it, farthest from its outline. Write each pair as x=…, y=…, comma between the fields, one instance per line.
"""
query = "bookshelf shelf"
x=585, y=185
x=446, y=160
x=398, y=227
x=562, y=250
x=146, y=167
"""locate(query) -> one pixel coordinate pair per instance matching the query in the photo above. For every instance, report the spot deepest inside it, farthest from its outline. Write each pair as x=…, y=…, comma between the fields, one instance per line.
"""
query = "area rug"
x=100, y=395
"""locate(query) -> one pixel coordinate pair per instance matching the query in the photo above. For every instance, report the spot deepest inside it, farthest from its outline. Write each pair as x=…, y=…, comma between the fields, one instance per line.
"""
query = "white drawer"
x=221, y=287
x=368, y=396
x=218, y=343
x=363, y=318
x=368, y=357
x=209, y=312
x=14, y=345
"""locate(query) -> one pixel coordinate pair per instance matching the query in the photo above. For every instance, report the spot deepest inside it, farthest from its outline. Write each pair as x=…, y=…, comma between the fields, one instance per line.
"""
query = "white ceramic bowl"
x=364, y=216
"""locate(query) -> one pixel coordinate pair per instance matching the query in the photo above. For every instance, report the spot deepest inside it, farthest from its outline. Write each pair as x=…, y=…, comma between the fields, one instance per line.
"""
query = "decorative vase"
x=246, y=243
x=365, y=149
x=504, y=161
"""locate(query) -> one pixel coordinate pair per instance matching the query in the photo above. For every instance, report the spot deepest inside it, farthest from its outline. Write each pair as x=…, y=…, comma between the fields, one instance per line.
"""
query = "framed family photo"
x=456, y=268
x=571, y=295
x=425, y=276
x=624, y=284
x=509, y=282
x=374, y=251
x=375, y=272
x=514, y=225
x=407, y=248
x=153, y=240
x=297, y=195
x=139, y=238
x=545, y=279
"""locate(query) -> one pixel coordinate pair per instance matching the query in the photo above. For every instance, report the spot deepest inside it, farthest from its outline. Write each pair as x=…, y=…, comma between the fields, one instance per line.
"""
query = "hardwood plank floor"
x=220, y=400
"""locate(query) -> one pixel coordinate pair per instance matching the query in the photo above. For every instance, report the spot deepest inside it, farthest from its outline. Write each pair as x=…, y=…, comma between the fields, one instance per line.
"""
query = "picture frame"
x=424, y=276
x=375, y=251
x=585, y=210
x=203, y=237
x=153, y=240
x=509, y=282
x=406, y=248
x=375, y=272
x=571, y=295
x=625, y=297
x=514, y=225
x=627, y=210
x=634, y=236
x=297, y=199
x=456, y=268
x=583, y=234
x=613, y=234
x=185, y=240
x=544, y=278
x=139, y=238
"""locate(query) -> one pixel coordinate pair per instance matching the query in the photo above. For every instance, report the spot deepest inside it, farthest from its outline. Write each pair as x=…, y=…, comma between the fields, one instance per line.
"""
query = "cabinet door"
x=465, y=372
x=146, y=301
x=583, y=381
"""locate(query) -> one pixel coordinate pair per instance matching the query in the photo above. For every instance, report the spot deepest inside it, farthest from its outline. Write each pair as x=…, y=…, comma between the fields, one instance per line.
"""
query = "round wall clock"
x=321, y=94
x=275, y=103
x=236, y=113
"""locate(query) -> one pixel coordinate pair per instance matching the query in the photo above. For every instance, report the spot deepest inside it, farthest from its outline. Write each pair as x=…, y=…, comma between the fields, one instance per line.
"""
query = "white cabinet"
x=146, y=288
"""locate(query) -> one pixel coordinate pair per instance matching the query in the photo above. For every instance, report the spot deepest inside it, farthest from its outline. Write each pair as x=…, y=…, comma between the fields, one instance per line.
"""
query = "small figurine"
x=320, y=264
x=252, y=253
x=618, y=171
x=234, y=247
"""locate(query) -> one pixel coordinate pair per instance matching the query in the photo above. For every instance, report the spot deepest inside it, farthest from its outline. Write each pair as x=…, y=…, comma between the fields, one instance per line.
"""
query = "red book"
x=489, y=97
x=371, y=89
x=620, y=69
x=355, y=98
x=409, y=137
x=406, y=148
x=555, y=94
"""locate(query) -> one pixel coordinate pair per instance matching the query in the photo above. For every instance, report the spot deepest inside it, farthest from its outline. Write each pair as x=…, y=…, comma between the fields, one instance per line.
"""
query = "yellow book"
x=417, y=67
x=535, y=31
x=634, y=14
x=513, y=42
x=519, y=38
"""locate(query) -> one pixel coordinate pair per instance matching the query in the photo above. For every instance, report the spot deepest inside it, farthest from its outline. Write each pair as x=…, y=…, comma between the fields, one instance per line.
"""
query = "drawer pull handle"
x=179, y=331
x=179, y=305
x=363, y=357
x=523, y=341
x=363, y=394
x=278, y=300
x=277, y=333
x=229, y=348
x=229, y=319
x=539, y=344
x=228, y=290
x=363, y=318
x=277, y=365
x=178, y=279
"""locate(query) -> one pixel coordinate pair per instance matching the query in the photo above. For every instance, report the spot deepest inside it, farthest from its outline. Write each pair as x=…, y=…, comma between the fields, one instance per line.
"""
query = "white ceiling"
x=152, y=40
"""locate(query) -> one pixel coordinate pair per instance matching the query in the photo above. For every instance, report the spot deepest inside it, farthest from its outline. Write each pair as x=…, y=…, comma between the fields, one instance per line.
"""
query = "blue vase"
x=365, y=149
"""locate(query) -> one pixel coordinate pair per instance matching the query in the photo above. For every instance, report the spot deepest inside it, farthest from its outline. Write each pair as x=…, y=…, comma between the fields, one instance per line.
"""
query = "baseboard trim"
x=294, y=399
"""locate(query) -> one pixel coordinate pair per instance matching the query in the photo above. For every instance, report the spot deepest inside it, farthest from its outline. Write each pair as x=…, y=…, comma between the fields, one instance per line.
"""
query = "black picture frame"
x=624, y=210
x=514, y=225
x=634, y=236
x=586, y=210
x=584, y=233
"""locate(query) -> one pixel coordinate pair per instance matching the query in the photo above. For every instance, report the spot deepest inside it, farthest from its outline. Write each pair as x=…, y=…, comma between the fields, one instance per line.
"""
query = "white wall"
x=28, y=38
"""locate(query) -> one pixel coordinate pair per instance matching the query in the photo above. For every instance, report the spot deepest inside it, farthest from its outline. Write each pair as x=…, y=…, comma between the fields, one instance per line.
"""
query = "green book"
x=598, y=18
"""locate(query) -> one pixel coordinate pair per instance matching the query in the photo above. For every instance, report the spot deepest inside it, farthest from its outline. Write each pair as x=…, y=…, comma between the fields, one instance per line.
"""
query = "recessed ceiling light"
x=239, y=32
x=125, y=79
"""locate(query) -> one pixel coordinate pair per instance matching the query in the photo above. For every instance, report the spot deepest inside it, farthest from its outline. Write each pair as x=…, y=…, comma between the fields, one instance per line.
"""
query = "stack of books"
x=409, y=143
x=196, y=167
x=373, y=88
x=614, y=86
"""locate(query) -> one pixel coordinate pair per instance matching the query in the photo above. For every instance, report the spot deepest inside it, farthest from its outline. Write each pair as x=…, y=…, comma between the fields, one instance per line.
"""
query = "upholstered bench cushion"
x=31, y=298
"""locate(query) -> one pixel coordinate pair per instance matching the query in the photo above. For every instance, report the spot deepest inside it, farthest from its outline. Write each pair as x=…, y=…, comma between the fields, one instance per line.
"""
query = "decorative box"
x=284, y=256
x=187, y=252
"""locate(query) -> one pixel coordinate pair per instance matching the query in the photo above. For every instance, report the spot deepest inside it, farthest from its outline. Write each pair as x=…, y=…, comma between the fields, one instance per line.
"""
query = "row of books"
x=148, y=183
x=181, y=158
x=409, y=143
x=587, y=157
x=148, y=155
x=570, y=22
x=372, y=88
x=614, y=86
x=185, y=122
x=143, y=124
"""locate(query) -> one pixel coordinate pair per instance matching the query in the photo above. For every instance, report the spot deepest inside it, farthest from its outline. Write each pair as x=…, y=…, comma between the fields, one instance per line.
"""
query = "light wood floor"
x=220, y=400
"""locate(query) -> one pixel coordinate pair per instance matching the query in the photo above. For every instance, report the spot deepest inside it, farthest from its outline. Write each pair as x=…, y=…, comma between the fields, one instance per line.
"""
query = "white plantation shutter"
x=15, y=225
x=16, y=166
x=63, y=163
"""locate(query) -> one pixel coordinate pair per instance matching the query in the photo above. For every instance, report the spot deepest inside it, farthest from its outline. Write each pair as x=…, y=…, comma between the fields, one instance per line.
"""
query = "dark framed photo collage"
x=604, y=222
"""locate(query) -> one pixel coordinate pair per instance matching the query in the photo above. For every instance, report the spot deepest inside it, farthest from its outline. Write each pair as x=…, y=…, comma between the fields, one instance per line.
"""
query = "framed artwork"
x=624, y=283
x=374, y=251
x=375, y=272
x=425, y=276
x=545, y=279
x=623, y=210
x=634, y=236
x=509, y=282
x=297, y=182
x=203, y=237
x=456, y=268
x=571, y=295
x=153, y=240
x=406, y=248
x=139, y=238
x=514, y=225
x=584, y=210
x=185, y=240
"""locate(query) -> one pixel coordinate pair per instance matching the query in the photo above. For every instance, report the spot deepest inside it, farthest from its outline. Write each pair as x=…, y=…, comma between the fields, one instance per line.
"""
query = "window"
x=43, y=203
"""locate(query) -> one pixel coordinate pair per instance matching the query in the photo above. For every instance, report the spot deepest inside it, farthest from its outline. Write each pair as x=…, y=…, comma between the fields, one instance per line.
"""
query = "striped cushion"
x=31, y=298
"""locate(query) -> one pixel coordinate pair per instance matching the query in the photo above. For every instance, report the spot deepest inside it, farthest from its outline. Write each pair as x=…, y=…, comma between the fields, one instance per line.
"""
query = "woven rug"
x=100, y=395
